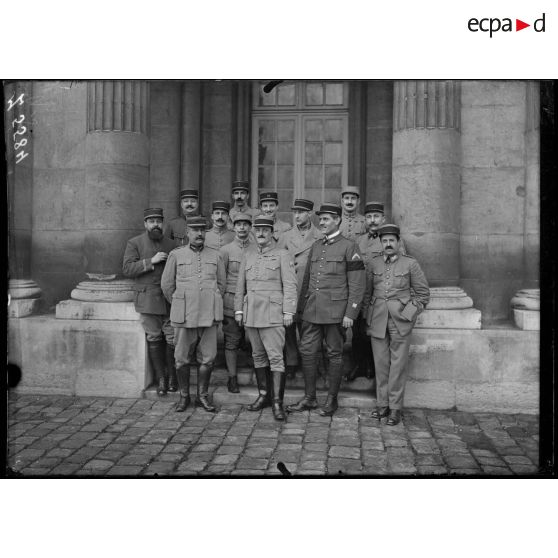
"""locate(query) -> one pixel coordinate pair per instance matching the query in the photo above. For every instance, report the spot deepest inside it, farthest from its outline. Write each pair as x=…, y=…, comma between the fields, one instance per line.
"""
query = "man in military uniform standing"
x=144, y=260
x=396, y=292
x=240, y=196
x=219, y=234
x=298, y=241
x=330, y=300
x=269, y=204
x=265, y=303
x=233, y=254
x=189, y=205
x=353, y=223
x=194, y=282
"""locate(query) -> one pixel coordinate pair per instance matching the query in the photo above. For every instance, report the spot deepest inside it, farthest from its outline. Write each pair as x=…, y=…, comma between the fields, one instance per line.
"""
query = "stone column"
x=426, y=194
x=190, y=158
x=116, y=175
x=241, y=127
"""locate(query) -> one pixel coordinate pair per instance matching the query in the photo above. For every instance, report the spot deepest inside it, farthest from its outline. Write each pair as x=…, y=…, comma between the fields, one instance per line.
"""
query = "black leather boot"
x=290, y=371
x=183, y=376
x=156, y=350
x=278, y=393
x=308, y=402
x=204, y=375
x=171, y=369
x=334, y=375
x=263, y=399
x=231, y=360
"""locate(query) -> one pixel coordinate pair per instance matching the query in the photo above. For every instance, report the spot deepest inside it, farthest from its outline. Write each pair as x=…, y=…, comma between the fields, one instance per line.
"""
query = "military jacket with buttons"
x=216, y=238
x=334, y=282
x=298, y=243
x=137, y=264
x=232, y=254
x=352, y=226
x=194, y=282
x=390, y=287
x=266, y=287
x=370, y=246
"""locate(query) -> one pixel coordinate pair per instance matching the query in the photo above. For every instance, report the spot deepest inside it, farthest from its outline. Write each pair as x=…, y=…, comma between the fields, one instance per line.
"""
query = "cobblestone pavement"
x=59, y=435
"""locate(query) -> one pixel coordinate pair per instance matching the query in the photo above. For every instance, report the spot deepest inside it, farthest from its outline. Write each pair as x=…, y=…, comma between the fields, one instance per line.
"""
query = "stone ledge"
x=468, y=318
x=88, y=310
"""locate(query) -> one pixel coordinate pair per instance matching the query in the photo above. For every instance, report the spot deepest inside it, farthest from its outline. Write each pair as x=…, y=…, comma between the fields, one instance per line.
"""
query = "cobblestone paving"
x=55, y=435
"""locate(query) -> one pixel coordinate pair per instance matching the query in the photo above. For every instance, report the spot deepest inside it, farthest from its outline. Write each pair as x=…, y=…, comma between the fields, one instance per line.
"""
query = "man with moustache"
x=265, y=304
x=330, y=298
x=370, y=246
x=144, y=261
x=189, y=205
x=193, y=282
x=269, y=204
x=240, y=196
x=396, y=292
x=298, y=241
x=219, y=234
x=353, y=223
x=233, y=254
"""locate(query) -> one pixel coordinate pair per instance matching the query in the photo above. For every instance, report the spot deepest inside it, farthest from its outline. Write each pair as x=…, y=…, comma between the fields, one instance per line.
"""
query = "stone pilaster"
x=190, y=158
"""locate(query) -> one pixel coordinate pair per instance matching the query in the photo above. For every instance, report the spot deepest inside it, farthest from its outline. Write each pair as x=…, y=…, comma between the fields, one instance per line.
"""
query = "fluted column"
x=191, y=135
x=116, y=170
x=426, y=174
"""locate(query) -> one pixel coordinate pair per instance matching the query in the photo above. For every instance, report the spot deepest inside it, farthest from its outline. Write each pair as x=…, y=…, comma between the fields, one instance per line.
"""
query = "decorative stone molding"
x=118, y=106
x=526, y=305
x=426, y=104
x=24, y=297
x=449, y=308
x=120, y=290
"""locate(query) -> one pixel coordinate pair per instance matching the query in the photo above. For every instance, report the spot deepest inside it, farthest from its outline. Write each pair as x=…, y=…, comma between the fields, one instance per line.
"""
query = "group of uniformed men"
x=292, y=290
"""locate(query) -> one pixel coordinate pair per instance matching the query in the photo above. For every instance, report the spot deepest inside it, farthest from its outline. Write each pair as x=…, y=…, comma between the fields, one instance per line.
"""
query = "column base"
x=21, y=307
x=529, y=320
x=468, y=318
x=88, y=310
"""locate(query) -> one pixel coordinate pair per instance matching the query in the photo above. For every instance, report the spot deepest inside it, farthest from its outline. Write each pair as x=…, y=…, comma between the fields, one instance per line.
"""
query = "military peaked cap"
x=226, y=206
x=350, y=190
x=303, y=205
x=332, y=208
x=189, y=194
x=196, y=221
x=374, y=207
x=262, y=221
x=242, y=217
x=389, y=228
x=240, y=185
x=269, y=196
x=152, y=212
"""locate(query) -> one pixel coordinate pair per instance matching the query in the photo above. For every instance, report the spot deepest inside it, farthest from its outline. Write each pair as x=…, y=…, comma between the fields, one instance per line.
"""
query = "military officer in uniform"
x=353, y=223
x=396, y=292
x=233, y=254
x=194, y=282
x=144, y=260
x=298, y=241
x=265, y=303
x=369, y=245
x=330, y=299
x=189, y=205
x=269, y=203
x=219, y=234
x=240, y=196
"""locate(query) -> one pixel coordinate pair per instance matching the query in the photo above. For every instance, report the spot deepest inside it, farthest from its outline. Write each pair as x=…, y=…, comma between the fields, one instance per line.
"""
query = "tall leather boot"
x=264, y=392
x=308, y=402
x=183, y=376
x=156, y=350
x=204, y=375
x=335, y=373
x=231, y=357
x=278, y=393
x=171, y=369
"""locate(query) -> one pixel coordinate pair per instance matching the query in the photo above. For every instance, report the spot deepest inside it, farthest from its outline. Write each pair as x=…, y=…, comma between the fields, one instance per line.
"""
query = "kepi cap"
x=152, y=212
x=350, y=190
x=374, y=207
x=196, y=222
x=331, y=208
x=303, y=205
x=189, y=194
x=269, y=196
x=261, y=221
x=242, y=217
x=224, y=205
x=241, y=185
x=389, y=228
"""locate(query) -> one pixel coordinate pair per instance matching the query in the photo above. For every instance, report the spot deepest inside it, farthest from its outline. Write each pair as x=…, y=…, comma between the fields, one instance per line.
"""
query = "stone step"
x=248, y=394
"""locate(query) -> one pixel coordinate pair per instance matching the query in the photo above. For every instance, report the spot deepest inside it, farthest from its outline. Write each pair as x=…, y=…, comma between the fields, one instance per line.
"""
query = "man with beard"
x=353, y=224
x=265, y=304
x=240, y=196
x=219, y=234
x=269, y=203
x=330, y=298
x=194, y=282
x=370, y=246
x=144, y=260
x=233, y=254
x=189, y=205
x=298, y=241
x=396, y=292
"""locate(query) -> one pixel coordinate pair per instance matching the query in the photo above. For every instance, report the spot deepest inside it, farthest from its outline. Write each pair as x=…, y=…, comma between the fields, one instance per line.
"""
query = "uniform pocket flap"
x=335, y=258
x=178, y=295
x=274, y=264
x=339, y=295
x=276, y=298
